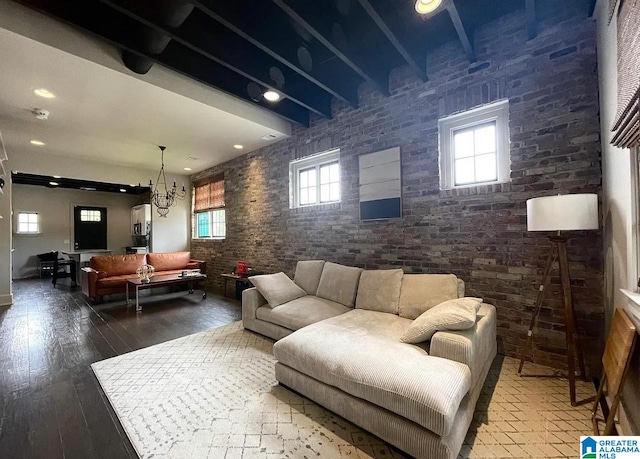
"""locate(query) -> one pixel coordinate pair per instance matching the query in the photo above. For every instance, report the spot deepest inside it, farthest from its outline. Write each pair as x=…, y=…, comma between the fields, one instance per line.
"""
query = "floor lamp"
x=572, y=212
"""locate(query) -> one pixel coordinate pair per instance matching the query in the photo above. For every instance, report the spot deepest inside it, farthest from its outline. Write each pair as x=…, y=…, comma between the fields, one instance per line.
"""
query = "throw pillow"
x=277, y=288
x=379, y=290
x=458, y=314
x=308, y=274
x=339, y=283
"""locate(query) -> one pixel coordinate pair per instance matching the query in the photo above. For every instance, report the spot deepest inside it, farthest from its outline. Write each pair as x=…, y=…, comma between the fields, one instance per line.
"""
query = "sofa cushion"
x=117, y=265
x=458, y=314
x=301, y=312
x=366, y=359
x=308, y=274
x=168, y=261
x=276, y=288
x=339, y=283
x=379, y=290
x=420, y=292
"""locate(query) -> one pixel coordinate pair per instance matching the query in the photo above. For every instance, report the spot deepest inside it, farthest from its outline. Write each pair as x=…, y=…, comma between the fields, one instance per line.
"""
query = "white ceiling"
x=103, y=114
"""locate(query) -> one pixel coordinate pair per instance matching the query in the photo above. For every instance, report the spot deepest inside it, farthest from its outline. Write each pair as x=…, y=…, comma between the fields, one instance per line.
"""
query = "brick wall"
x=477, y=233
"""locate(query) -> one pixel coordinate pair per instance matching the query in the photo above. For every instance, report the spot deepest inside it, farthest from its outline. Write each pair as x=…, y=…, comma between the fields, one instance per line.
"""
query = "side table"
x=241, y=282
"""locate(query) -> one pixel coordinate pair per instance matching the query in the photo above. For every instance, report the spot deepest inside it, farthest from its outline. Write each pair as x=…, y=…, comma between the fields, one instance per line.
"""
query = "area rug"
x=214, y=395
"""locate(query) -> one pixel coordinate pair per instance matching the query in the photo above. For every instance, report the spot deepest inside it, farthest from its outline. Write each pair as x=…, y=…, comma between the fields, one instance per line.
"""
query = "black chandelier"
x=162, y=197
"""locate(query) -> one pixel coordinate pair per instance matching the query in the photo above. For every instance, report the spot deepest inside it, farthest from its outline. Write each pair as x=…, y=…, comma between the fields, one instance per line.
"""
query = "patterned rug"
x=214, y=395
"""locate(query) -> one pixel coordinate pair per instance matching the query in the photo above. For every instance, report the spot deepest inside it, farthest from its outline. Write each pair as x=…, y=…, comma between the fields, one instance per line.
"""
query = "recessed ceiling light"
x=427, y=6
x=271, y=96
x=44, y=93
x=238, y=146
x=132, y=186
x=54, y=183
x=37, y=142
x=56, y=176
x=187, y=168
x=122, y=190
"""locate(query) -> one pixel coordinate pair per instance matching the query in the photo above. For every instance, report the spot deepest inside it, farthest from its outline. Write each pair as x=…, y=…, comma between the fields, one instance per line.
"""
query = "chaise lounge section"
x=346, y=352
x=108, y=275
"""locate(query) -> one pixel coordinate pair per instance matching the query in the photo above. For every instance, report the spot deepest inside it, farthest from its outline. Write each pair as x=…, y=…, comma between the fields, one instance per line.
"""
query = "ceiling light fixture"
x=54, y=183
x=57, y=176
x=44, y=93
x=271, y=96
x=187, y=169
x=238, y=146
x=162, y=197
x=37, y=142
x=427, y=6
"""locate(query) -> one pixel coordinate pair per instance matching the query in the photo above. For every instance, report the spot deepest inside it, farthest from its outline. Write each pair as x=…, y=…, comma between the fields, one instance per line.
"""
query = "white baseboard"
x=6, y=300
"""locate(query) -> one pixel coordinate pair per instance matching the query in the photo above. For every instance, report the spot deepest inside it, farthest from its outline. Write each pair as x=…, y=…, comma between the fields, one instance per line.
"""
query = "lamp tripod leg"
x=553, y=255
x=573, y=344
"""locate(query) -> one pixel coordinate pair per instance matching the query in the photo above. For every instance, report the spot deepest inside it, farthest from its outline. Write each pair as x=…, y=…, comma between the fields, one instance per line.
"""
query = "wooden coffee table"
x=164, y=281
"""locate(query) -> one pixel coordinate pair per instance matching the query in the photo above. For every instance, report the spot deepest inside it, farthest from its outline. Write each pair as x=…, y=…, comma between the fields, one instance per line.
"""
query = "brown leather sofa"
x=107, y=275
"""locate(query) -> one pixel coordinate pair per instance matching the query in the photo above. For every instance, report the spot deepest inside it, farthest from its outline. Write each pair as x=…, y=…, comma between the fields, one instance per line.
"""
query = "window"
x=474, y=147
x=315, y=179
x=90, y=215
x=211, y=224
x=208, y=210
x=28, y=223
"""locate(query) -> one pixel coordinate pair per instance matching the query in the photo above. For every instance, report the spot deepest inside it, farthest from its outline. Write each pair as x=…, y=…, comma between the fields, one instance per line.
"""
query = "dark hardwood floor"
x=51, y=404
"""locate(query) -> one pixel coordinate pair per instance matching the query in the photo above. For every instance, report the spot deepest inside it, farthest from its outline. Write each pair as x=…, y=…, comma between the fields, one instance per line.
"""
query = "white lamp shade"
x=568, y=212
x=427, y=6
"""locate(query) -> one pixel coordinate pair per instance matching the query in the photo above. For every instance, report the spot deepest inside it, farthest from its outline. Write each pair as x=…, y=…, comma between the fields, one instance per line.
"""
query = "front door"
x=89, y=228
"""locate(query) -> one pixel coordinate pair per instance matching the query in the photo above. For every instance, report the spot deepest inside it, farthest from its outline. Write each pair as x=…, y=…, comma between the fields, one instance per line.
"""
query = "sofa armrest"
x=88, y=279
x=251, y=301
x=198, y=264
x=473, y=347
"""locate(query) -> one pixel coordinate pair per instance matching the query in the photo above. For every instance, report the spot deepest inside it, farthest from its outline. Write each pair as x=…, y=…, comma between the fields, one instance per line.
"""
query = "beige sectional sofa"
x=340, y=345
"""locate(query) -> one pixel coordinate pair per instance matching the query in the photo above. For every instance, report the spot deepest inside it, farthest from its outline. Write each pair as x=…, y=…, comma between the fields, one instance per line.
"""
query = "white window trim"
x=28, y=233
x=316, y=161
x=209, y=238
x=498, y=112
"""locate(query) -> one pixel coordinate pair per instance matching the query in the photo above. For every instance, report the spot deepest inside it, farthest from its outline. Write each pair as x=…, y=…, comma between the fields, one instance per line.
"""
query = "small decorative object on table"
x=241, y=268
x=145, y=273
x=190, y=272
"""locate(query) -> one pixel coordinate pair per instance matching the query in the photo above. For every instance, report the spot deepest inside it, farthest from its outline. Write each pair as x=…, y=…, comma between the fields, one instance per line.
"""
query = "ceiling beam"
x=322, y=34
x=532, y=20
x=242, y=58
x=108, y=24
x=283, y=51
x=462, y=33
x=384, y=28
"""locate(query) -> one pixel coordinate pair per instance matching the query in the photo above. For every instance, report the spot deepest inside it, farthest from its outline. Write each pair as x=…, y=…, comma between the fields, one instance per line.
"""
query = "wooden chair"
x=615, y=363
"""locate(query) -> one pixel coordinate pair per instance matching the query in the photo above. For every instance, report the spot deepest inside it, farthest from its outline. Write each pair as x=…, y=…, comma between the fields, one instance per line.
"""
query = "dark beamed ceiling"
x=308, y=50
x=76, y=184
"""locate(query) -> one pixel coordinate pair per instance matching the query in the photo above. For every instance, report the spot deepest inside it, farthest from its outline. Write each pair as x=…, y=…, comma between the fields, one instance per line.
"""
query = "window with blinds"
x=627, y=123
x=208, y=210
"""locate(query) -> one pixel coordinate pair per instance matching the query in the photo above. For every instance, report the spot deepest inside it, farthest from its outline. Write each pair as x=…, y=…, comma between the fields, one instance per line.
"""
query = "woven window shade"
x=627, y=123
x=209, y=196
